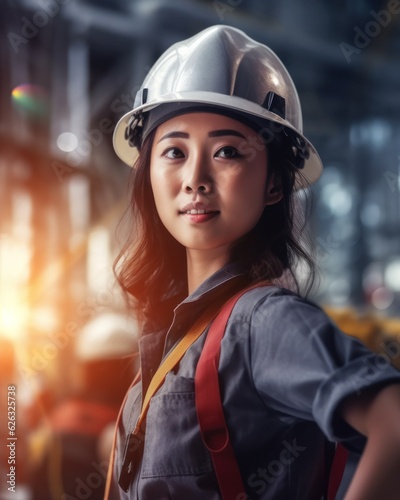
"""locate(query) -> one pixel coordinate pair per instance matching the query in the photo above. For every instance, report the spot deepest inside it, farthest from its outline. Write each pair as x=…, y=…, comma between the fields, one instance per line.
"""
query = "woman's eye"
x=173, y=153
x=228, y=152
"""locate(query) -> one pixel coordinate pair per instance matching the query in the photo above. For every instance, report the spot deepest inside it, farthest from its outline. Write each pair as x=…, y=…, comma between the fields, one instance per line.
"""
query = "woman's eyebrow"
x=213, y=133
x=183, y=135
x=219, y=133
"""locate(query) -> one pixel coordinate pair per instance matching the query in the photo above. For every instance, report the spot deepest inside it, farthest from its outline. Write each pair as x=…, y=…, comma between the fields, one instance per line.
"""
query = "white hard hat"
x=223, y=70
x=108, y=336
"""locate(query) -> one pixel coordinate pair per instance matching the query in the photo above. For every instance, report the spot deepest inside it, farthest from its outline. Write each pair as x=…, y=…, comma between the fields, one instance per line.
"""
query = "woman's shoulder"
x=266, y=294
x=277, y=303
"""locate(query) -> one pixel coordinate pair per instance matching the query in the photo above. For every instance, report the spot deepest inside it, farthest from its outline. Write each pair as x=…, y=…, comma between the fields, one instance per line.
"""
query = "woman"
x=218, y=127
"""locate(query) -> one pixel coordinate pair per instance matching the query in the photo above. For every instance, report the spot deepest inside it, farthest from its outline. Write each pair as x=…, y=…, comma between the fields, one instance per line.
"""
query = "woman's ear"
x=273, y=191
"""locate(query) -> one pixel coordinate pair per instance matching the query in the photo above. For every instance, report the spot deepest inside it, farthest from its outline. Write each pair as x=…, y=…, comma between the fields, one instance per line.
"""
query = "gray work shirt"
x=284, y=370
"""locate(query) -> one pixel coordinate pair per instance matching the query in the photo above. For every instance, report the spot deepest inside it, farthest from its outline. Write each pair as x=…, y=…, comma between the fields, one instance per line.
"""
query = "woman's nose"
x=198, y=178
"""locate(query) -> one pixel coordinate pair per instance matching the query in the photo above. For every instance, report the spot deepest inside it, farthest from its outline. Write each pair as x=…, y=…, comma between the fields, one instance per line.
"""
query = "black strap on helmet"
x=133, y=132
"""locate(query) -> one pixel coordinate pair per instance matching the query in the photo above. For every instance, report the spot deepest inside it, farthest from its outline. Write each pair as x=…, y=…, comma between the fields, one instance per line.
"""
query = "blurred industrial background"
x=70, y=69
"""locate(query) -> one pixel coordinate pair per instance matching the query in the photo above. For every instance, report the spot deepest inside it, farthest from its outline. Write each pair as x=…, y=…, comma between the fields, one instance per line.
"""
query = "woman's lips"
x=195, y=211
x=200, y=215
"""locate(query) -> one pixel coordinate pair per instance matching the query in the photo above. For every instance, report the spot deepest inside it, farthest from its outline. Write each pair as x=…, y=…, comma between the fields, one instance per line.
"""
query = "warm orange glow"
x=27, y=308
x=13, y=319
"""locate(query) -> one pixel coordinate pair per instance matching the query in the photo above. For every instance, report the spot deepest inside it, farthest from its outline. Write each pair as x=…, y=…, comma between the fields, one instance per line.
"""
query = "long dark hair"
x=151, y=266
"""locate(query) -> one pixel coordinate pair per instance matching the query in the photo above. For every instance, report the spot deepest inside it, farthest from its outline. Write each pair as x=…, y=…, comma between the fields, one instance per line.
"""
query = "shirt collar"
x=201, y=294
x=220, y=277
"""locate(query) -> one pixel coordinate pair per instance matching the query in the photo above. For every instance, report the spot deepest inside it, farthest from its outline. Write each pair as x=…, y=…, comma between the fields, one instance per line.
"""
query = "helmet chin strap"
x=296, y=149
x=134, y=131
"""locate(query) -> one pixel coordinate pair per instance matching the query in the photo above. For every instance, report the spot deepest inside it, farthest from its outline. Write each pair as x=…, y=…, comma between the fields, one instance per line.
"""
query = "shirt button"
x=152, y=372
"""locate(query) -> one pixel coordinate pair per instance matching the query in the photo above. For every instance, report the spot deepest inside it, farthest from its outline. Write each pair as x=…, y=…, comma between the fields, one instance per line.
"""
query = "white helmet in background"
x=223, y=70
x=108, y=336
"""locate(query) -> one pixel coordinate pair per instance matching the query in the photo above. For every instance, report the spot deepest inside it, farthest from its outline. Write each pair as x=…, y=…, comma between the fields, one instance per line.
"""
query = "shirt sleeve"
x=304, y=366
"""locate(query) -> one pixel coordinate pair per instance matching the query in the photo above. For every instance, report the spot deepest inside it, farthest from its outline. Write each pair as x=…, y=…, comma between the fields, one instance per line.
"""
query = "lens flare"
x=31, y=100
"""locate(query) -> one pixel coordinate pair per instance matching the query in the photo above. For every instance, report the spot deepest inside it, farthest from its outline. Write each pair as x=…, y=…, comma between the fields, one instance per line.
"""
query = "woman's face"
x=208, y=174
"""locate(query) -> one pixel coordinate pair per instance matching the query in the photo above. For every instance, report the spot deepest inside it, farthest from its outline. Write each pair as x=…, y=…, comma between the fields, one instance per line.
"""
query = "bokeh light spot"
x=392, y=275
x=31, y=100
x=67, y=141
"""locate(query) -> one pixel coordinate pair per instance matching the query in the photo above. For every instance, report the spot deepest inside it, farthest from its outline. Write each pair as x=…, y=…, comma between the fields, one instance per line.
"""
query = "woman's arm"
x=377, y=416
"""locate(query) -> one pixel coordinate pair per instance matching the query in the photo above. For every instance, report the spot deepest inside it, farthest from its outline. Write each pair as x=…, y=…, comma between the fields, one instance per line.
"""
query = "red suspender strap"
x=337, y=470
x=212, y=421
x=209, y=409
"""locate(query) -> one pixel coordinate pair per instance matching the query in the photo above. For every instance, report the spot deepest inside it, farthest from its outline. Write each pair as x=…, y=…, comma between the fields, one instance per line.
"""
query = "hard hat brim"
x=307, y=175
